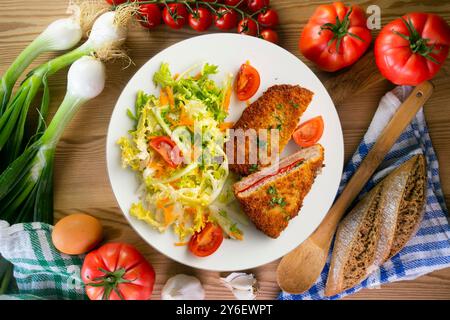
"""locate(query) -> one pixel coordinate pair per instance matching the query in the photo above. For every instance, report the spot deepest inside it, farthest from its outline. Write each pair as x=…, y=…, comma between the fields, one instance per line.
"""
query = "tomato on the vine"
x=116, y=2
x=268, y=18
x=200, y=19
x=270, y=35
x=150, y=15
x=247, y=26
x=175, y=15
x=255, y=5
x=226, y=19
x=235, y=3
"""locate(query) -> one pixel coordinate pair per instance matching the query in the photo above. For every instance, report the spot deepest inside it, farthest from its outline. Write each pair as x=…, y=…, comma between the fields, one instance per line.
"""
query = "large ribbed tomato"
x=335, y=36
x=117, y=271
x=412, y=49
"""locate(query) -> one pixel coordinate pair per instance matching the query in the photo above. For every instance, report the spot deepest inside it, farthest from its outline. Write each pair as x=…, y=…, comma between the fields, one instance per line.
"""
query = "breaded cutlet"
x=272, y=201
x=280, y=107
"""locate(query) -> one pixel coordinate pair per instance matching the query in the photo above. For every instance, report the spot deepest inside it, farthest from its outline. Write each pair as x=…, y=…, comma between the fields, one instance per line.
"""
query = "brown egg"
x=77, y=233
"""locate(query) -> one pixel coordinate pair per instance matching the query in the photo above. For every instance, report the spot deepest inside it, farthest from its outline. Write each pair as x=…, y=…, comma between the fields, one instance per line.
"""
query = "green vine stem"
x=213, y=6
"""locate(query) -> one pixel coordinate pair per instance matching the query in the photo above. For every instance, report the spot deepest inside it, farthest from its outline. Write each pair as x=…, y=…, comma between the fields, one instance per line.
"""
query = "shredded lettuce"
x=180, y=198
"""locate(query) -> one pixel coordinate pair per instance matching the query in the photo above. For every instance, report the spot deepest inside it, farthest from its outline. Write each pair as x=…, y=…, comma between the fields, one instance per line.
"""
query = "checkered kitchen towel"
x=40, y=270
x=429, y=249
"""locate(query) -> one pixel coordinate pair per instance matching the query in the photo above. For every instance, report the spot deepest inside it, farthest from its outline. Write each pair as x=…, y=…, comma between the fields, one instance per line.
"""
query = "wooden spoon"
x=300, y=268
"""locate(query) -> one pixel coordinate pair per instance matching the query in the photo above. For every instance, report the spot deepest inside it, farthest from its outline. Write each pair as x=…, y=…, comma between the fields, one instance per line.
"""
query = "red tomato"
x=235, y=3
x=201, y=19
x=255, y=5
x=268, y=18
x=116, y=2
x=270, y=35
x=309, y=132
x=150, y=15
x=335, y=36
x=117, y=271
x=247, y=82
x=412, y=49
x=207, y=241
x=168, y=150
x=175, y=15
x=226, y=19
x=247, y=26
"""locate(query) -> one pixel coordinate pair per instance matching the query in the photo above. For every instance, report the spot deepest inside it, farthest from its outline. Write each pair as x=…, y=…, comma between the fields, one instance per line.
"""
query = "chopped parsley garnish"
x=253, y=168
x=280, y=106
x=295, y=105
x=272, y=190
x=275, y=200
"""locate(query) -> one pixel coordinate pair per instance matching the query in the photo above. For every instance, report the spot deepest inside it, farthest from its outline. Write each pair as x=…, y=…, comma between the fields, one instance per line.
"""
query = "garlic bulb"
x=243, y=285
x=183, y=287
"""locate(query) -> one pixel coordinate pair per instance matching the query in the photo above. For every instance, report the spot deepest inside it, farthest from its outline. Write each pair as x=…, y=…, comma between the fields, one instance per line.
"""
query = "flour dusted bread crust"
x=379, y=226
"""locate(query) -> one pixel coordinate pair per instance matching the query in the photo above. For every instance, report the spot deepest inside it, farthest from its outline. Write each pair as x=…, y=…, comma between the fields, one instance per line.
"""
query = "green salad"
x=177, y=150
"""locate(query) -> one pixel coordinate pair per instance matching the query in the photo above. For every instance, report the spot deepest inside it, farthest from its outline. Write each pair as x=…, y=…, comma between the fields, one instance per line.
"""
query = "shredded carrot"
x=226, y=99
x=185, y=120
x=180, y=244
x=163, y=98
x=176, y=75
x=170, y=97
x=238, y=236
x=197, y=76
x=226, y=125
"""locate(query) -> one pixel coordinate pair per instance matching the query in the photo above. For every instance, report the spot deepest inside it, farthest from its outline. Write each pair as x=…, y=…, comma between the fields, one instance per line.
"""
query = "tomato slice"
x=207, y=241
x=247, y=82
x=168, y=150
x=309, y=132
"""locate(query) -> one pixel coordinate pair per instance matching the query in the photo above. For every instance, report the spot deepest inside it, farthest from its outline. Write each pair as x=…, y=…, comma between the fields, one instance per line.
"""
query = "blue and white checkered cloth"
x=429, y=249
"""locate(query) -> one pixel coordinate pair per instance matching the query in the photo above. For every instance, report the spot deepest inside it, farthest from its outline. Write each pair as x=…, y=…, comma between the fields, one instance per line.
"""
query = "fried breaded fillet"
x=271, y=203
x=280, y=107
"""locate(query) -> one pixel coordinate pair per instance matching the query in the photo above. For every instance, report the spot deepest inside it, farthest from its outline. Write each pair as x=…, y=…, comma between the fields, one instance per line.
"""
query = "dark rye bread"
x=355, y=245
x=411, y=206
x=364, y=241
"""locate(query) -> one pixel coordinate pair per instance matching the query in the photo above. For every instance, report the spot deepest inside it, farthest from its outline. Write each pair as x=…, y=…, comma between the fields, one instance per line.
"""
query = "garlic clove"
x=242, y=285
x=183, y=287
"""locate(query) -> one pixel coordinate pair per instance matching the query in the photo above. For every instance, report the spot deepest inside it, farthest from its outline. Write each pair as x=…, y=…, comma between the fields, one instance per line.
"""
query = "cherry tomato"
x=247, y=82
x=255, y=5
x=150, y=15
x=175, y=15
x=167, y=149
x=268, y=18
x=270, y=35
x=309, y=132
x=412, y=49
x=226, y=19
x=117, y=271
x=207, y=241
x=248, y=27
x=335, y=36
x=235, y=2
x=116, y=2
x=201, y=19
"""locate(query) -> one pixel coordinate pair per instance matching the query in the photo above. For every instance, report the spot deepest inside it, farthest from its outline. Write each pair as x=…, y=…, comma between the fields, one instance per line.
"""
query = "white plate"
x=276, y=66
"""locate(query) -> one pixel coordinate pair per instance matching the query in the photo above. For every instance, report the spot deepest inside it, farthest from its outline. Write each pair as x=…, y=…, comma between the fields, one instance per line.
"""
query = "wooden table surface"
x=81, y=181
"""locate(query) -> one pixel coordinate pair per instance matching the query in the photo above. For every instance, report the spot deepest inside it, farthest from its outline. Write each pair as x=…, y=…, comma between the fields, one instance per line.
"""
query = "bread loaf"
x=379, y=226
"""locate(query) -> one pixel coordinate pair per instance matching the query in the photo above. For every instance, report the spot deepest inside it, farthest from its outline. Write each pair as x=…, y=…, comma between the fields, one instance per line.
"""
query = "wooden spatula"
x=300, y=268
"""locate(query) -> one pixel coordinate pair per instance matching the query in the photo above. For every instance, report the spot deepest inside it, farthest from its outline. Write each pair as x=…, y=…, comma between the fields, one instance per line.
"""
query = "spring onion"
x=60, y=35
x=26, y=184
x=108, y=33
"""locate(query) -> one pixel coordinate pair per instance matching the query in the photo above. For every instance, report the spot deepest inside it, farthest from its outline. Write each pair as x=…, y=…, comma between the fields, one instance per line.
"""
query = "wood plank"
x=81, y=182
